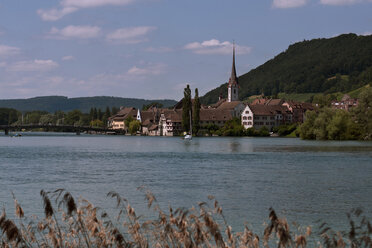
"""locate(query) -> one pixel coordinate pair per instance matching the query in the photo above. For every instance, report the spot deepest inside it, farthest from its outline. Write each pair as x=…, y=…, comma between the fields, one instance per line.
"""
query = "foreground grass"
x=68, y=224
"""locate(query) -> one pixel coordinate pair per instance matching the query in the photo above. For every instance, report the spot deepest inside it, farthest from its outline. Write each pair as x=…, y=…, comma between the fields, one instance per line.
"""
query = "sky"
x=152, y=48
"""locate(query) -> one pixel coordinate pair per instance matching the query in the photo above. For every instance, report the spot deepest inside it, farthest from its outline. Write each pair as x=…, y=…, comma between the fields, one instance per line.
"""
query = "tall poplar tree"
x=196, y=113
x=186, y=108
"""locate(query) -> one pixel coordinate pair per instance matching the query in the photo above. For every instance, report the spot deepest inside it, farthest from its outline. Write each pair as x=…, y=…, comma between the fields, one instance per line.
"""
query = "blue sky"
x=152, y=48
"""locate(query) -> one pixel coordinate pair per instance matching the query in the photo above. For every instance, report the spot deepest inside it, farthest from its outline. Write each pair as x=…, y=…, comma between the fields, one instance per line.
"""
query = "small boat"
x=188, y=137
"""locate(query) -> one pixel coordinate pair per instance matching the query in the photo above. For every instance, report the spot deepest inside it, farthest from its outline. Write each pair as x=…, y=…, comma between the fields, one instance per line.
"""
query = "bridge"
x=63, y=128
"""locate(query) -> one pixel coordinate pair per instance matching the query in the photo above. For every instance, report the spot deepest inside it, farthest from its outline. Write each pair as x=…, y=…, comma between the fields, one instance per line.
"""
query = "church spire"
x=233, y=88
x=233, y=78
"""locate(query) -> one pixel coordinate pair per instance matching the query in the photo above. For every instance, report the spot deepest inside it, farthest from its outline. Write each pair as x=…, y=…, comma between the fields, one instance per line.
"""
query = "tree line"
x=331, y=124
x=95, y=117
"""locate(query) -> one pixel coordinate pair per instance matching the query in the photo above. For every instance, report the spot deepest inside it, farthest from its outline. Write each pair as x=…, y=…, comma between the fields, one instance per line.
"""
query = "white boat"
x=188, y=137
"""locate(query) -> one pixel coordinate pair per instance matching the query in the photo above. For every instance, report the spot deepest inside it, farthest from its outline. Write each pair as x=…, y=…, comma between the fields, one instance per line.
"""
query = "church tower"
x=233, y=87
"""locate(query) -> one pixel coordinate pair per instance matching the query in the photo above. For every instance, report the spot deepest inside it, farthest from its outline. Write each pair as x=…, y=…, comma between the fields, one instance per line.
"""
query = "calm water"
x=303, y=180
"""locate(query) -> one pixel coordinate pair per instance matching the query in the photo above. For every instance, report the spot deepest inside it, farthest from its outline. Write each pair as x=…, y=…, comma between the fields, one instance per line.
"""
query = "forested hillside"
x=61, y=103
x=336, y=64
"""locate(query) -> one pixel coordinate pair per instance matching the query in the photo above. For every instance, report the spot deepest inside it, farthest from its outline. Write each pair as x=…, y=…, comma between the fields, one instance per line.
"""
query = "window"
x=249, y=123
x=245, y=123
x=244, y=117
x=267, y=123
x=249, y=117
x=272, y=118
x=264, y=118
x=247, y=112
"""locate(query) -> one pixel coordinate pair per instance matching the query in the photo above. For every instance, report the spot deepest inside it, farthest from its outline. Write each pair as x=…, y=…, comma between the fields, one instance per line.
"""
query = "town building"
x=346, y=103
x=117, y=122
x=273, y=113
x=269, y=116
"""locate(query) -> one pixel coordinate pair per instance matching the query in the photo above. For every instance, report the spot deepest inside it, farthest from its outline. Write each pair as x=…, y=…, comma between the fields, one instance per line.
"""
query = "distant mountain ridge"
x=84, y=104
x=337, y=64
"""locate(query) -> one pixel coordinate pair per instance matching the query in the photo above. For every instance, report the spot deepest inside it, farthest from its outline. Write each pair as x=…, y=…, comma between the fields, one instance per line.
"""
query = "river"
x=305, y=181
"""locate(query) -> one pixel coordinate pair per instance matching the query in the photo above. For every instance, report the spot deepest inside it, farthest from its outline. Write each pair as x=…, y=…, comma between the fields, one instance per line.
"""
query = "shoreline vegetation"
x=68, y=223
x=323, y=123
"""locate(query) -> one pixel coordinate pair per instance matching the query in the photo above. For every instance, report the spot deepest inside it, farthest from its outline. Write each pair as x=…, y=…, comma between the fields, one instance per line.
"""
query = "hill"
x=55, y=103
x=342, y=63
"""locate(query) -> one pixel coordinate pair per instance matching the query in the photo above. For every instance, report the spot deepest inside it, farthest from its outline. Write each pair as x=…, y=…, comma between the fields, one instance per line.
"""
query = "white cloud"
x=32, y=65
x=93, y=3
x=216, y=47
x=155, y=69
x=75, y=32
x=366, y=33
x=55, y=14
x=284, y=4
x=67, y=58
x=130, y=35
x=340, y=2
x=69, y=6
x=8, y=50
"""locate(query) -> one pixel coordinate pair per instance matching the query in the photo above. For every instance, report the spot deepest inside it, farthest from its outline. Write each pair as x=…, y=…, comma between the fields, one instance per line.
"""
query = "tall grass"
x=70, y=224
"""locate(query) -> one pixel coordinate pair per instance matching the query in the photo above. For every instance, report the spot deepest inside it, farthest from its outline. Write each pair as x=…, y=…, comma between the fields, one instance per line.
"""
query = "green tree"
x=114, y=110
x=95, y=114
x=33, y=117
x=8, y=116
x=127, y=121
x=72, y=117
x=196, y=112
x=306, y=130
x=186, y=108
x=232, y=127
x=96, y=123
x=363, y=113
x=99, y=114
x=91, y=114
x=106, y=116
x=48, y=119
x=84, y=120
x=321, y=123
x=134, y=126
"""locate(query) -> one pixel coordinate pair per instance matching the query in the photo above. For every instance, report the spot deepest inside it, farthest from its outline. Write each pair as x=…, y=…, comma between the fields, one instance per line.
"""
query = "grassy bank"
x=70, y=224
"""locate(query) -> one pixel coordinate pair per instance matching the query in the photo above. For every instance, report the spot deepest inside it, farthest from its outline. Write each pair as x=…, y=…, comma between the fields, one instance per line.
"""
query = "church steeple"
x=233, y=86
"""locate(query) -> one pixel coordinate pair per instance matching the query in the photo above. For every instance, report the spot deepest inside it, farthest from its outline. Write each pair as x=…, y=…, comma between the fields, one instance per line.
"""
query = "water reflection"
x=234, y=146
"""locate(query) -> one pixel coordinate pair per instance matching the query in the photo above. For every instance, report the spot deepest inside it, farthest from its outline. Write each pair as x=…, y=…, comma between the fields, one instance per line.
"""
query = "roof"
x=267, y=101
x=124, y=113
x=215, y=115
x=217, y=104
x=175, y=115
x=229, y=105
x=153, y=127
x=149, y=115
x=261, y=109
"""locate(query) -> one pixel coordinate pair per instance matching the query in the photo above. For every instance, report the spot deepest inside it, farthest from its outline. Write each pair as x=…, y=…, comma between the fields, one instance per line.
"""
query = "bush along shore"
x=70, y=224
x=330, y=124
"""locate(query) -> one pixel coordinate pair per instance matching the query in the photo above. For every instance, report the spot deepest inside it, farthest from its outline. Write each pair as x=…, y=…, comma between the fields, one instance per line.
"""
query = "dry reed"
x=70, y=224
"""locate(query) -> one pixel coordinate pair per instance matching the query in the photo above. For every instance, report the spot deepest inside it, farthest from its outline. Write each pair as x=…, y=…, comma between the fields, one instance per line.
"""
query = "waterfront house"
x=117, y=122
x=262, y=115
x=298, y=110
